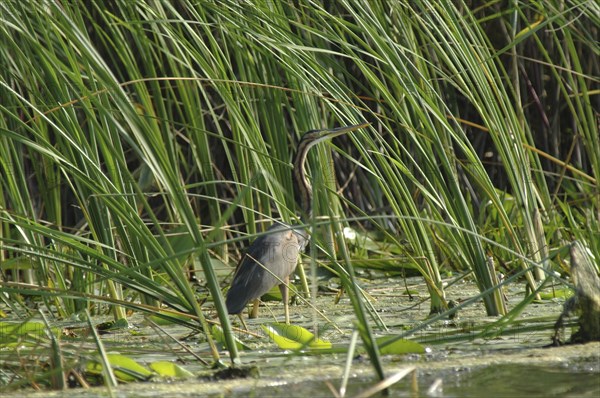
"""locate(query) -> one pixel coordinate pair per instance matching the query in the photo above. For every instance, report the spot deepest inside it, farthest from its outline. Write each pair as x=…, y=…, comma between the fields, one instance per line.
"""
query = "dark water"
x=503, y=380
x=573, y=378
x=507, y=380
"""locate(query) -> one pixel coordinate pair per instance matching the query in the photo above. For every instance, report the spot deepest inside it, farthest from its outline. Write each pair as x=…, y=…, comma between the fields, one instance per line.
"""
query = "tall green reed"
x=123, y=124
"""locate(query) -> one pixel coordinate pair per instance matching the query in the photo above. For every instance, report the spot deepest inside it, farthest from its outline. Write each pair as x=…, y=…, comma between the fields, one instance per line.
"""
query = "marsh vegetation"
x=145, y=144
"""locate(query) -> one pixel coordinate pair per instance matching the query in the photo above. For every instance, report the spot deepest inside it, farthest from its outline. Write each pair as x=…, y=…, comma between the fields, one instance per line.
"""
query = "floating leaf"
x=275, y=294
x=282, y=342
x=272, y=295
x=17, y=332
x=125, y=368
x=292, y=337
x=168, y=318
x=120, y=324
x=217, y=333
x=557, y=293
x=401, y=346
x=170, y=369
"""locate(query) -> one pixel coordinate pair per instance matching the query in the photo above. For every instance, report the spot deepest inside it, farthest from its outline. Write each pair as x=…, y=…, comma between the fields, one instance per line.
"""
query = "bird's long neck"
x=302, y=185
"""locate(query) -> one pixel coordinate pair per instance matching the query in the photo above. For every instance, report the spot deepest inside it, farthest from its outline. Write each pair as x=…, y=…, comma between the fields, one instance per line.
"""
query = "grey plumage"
x=269, y=260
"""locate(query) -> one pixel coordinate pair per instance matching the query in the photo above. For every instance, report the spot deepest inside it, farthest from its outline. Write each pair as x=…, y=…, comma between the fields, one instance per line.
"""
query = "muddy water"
x=515, y=364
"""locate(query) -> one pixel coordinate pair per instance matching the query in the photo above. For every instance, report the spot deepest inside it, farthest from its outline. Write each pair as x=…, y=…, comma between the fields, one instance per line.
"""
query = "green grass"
x=141, y=140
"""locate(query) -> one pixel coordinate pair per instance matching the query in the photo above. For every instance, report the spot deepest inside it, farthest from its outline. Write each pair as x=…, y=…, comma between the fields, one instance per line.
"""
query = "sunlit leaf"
x=292, y=337
x=401, y=346
x=14, y=332
x=168, y=318
x=170, y=369
x=282, y=342
x=217, y=333
x=125, y=368
x=531, y=27
x=275, y=295
x=557, y=293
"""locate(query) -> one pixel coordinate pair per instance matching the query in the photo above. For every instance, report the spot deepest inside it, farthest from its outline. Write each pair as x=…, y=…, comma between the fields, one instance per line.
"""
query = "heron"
x=272, y=258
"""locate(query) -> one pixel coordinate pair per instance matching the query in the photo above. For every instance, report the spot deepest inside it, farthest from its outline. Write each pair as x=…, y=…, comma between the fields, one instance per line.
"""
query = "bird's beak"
x=330, y=133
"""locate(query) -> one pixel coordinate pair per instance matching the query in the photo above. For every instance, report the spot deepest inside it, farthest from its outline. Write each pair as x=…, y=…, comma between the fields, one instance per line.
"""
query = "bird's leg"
x=283, y=288
x=254, y=311
x=243, y=322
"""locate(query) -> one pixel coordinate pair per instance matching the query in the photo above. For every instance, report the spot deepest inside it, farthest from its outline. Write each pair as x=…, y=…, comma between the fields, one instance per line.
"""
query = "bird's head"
x=313, y=137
